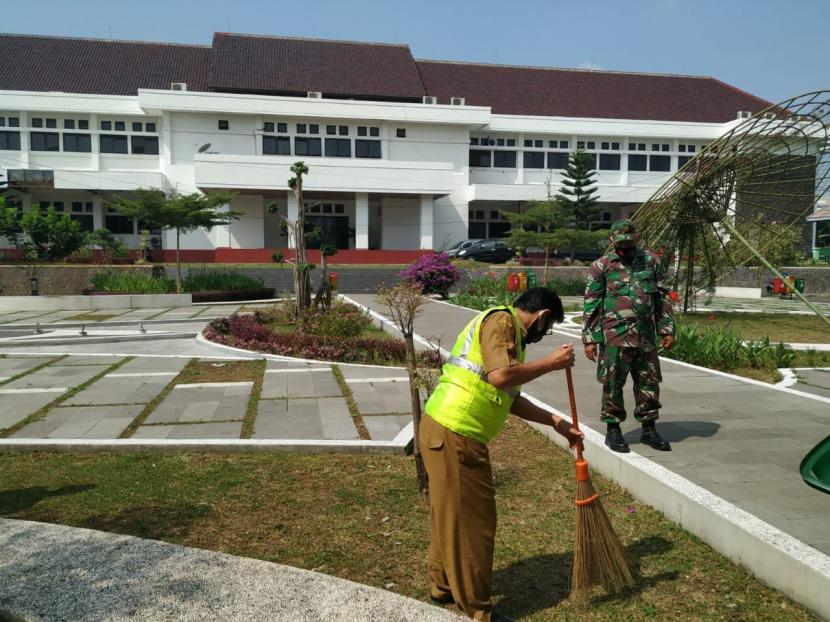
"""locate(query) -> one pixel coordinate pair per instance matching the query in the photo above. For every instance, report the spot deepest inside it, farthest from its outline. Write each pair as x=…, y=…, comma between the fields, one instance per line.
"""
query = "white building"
x=403, y=154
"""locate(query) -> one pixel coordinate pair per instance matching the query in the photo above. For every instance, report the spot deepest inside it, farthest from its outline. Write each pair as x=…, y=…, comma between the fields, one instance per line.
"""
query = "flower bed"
x=248, y=333
x=262, y=293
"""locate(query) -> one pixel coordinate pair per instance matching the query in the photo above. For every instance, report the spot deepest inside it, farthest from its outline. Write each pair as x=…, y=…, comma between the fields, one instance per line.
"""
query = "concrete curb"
x=246, y=445
x=63, y=341
x=777, y=558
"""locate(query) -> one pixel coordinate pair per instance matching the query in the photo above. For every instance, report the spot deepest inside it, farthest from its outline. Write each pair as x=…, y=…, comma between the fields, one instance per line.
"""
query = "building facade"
x=404, y=155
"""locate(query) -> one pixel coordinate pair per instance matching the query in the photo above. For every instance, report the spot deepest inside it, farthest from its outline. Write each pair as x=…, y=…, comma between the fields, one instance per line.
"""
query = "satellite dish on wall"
x=204, y=147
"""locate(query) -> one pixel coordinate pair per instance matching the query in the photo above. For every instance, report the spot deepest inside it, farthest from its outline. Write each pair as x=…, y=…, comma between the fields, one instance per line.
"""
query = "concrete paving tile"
x=80, y=359
x=152, y=431
x=152, y=365
x=51, y=376
x=228, y=430
x=385, y=427
x=335, y=419
x=202, y=403
x=81, y=422
x=13, y=366
x=288, y=419
x=16, y=407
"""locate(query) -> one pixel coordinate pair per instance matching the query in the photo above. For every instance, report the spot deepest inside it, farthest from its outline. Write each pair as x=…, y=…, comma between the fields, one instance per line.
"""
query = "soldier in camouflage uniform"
x=626, y=310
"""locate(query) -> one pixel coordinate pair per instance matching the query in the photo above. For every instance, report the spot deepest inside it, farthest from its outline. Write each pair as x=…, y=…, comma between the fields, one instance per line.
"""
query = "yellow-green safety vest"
x=464, y=401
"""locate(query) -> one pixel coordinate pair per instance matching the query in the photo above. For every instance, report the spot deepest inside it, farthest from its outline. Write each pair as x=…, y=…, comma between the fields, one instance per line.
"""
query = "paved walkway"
x=54, y=572
x=740, y=439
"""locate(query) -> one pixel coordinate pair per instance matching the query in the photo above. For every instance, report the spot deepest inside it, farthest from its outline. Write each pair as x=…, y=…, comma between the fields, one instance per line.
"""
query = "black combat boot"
x=614, y=439
x=652, y=438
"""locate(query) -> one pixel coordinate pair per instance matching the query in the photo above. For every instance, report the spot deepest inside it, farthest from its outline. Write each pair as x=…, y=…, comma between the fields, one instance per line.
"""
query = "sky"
x=772, y=48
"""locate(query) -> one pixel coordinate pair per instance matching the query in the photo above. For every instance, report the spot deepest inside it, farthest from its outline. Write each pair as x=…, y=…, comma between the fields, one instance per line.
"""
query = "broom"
x=599, y=558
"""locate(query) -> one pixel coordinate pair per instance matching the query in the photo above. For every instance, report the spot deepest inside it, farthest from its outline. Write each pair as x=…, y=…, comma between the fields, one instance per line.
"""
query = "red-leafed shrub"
x=246, y=332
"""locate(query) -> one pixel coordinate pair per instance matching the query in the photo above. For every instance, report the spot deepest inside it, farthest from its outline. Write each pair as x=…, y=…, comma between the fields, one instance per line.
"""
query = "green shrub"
x=573, y=287
x=220, y=281
x=131, y=282
x=343, y=320
x=722, y=349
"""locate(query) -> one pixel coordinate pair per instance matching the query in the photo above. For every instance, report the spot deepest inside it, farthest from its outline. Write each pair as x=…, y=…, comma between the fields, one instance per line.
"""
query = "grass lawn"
x=359, y=517
x=776, y=326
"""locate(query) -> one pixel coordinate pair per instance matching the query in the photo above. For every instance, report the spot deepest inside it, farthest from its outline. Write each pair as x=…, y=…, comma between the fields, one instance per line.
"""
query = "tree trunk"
x=178, y=262
x=415, y=397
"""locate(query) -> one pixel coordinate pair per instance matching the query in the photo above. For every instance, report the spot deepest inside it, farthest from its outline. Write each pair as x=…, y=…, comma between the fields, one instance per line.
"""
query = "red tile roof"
x=538, y=91
x=286, y=65
x=292, y=66
x=98, y=66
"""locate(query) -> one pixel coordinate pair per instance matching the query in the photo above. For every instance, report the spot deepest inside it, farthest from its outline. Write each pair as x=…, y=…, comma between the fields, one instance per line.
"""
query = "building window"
x=615, y=146
x=659, y=163
x=637, y=162
x=78, y=143
x=313, y=129
x=592, y=144
x=539, y=144
x=362, y=130
x=148, y=145
x=14, y=122
x=692, y=148
x=150, y=127
x=282, y=128
x=609, y=161
x=343, y=130
x=223, y=124
x=504, y=159
x=401, y=133
x=106, y=125
x=307, y=146
x=528, y=143
x=557, y=160
x=339, y=148
x=120, y=126
x=136, y=126
x=44, y=141
x=474, y=141
x=664, y=147
x=268, y=126
x=82, y=213
x=52, y=124
x=681, y=148
x=118, y=223
x=113, y=144
x=69, y=124
x=9, y=141
x=374, y=131
x=331, y=130
x=534, y=159
x=276, y=145
x=301, y=128
x=479, y=158
x=83, y=124
x=605, y=146
x=37, y=122
x=511, y=142
x=681, y=160
x=367, y=148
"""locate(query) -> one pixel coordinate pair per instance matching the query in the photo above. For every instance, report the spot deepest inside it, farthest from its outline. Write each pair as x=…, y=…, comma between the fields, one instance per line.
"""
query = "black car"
x=492, y=251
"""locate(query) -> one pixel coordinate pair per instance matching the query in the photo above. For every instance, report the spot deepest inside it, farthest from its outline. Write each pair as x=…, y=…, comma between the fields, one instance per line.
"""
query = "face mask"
x=534, y=333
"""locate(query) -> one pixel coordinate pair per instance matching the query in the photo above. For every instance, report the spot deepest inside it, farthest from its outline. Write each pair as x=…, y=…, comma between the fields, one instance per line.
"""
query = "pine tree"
x=578, y=190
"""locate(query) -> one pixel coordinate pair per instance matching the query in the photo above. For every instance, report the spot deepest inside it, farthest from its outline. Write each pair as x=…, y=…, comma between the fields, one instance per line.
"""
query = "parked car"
x=493, y=251
x=460, y=246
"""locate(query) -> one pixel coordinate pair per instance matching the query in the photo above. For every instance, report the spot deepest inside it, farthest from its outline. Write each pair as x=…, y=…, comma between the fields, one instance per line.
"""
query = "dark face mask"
x=534, y=333
x=628, y=253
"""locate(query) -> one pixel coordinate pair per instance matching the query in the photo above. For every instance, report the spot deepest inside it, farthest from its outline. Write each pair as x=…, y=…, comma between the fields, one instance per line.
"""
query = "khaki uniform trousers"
x=462, y=518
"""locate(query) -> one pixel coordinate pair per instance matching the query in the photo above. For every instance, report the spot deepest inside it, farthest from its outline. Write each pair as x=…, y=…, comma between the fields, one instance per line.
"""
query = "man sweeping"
x=626, y=310
x=478, y=388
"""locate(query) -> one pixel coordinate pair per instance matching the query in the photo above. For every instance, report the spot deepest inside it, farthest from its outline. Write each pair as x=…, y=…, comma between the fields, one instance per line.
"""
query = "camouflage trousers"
x=615, y=363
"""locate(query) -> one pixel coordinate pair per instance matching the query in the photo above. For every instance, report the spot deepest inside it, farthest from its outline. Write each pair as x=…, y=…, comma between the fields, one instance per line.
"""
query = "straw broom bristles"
x=599, y=558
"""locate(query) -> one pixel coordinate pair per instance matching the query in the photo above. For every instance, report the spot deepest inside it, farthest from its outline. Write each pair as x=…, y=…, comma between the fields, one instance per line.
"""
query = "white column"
x=361, y=220
x=293, y=214
x=94, y=128
x=166, y=146
x=427, y=207
x=24, y=140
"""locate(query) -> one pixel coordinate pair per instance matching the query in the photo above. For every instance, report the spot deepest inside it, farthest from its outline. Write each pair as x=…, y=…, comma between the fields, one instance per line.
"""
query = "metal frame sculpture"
x=728, y=204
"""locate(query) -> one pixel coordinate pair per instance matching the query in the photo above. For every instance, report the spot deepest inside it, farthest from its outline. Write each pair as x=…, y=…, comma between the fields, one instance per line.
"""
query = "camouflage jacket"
x=626, y=305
